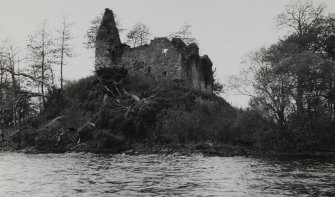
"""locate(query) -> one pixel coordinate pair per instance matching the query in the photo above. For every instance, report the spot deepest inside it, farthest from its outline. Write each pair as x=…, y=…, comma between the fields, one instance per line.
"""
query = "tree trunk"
x=14, y=86
x=333, y=90
x=299, y=98
x=281, y=121
x=61, y=62
x=42, y=84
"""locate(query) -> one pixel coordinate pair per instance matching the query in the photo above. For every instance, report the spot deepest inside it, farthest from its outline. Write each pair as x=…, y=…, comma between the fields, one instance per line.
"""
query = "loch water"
x=85, y=174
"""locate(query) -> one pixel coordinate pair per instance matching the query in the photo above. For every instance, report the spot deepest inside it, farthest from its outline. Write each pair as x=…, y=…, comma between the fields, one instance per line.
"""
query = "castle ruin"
x=162, y=59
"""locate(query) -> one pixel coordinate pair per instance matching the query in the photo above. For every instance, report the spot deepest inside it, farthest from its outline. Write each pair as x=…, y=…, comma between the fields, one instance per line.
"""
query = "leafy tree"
x=139, y=35
x=272, y=84
x=271, y=78
x=300, y=16
x=323, y=42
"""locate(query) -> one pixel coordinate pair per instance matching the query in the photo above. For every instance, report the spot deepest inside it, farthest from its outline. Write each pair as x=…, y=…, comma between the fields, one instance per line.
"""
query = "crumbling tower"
x=108, y=44
x=160, y=61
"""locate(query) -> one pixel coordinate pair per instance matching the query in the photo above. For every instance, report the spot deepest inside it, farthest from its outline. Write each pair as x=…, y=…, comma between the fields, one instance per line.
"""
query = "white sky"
x=226, y=30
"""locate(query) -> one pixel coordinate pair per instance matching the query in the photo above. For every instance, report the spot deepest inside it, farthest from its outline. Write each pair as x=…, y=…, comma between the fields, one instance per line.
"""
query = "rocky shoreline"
x=185, y=150
x=140, y=149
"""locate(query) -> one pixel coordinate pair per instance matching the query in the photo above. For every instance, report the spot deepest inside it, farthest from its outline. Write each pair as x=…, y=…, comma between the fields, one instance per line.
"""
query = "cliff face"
x=162, y=59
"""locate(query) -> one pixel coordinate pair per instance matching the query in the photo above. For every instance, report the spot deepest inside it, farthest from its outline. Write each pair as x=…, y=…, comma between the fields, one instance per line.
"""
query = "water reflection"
x=151, y=175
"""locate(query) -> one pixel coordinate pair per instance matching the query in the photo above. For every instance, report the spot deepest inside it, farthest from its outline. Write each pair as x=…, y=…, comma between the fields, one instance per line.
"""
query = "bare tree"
x=185, y=34
x=8, y=84
x=92, y=31
x=13, y=97
x=41, y=54
x=64, y=49
x=139, y=35
x=269, y=87
x=300, y=16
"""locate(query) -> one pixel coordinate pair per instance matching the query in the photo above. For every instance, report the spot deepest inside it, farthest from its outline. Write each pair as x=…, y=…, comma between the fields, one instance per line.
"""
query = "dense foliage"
x=292, y=81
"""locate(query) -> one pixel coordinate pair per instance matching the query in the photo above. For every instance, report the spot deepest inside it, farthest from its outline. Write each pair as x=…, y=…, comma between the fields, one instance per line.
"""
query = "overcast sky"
x=227, y=30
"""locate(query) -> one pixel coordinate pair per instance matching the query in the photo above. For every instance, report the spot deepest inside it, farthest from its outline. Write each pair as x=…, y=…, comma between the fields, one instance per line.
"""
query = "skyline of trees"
x=139, y=35
x=280, y=88
x=28, y=74
x=64, y=49
x=37, y=68
x=292, y=81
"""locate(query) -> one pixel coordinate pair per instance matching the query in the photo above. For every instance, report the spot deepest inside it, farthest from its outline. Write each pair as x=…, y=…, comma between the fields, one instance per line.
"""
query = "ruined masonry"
x=162, y=59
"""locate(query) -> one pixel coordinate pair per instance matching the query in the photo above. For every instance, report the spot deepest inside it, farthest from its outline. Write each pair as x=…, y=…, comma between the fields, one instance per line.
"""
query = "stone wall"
x=197, y=70
x=162, y=59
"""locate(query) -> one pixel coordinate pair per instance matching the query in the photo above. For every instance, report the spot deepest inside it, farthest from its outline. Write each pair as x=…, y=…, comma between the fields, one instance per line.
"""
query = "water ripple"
x=78, y=174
